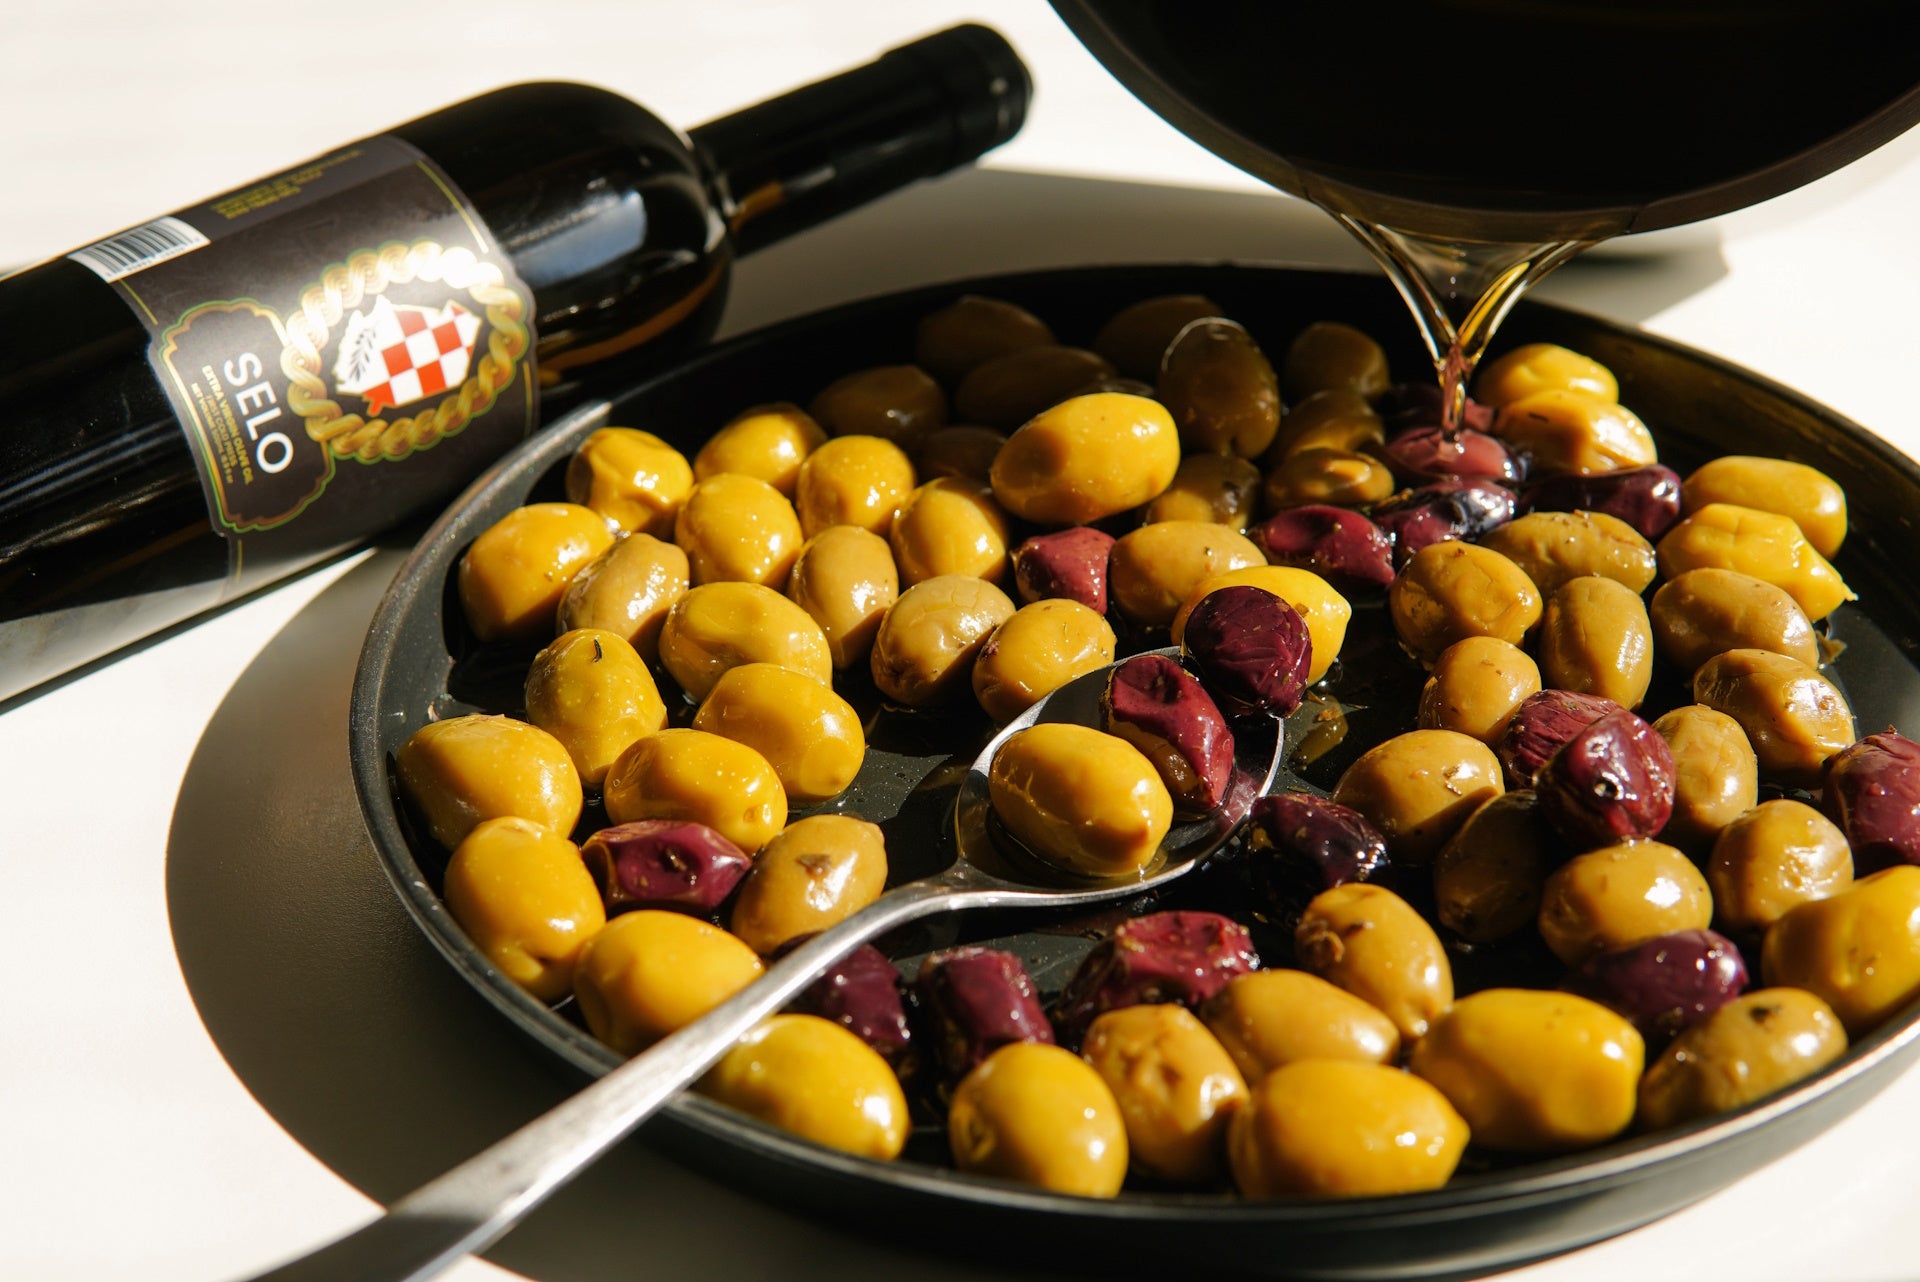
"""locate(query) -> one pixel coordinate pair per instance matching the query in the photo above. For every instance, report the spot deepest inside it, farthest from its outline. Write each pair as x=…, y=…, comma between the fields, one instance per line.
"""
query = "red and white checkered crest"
x=397, y=354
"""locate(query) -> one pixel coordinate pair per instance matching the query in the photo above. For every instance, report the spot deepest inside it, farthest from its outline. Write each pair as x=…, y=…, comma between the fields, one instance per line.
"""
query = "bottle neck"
x=916, y=111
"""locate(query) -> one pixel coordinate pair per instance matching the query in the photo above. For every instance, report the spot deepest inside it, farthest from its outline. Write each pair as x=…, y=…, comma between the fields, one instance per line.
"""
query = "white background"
x=219, y=1035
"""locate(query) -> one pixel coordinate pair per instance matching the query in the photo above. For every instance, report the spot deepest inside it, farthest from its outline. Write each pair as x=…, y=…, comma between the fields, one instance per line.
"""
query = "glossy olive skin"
x=1563, y=430
x=1794, y=717
x=1442, y=510
x=632, y=478
x=899, y=403
x=812, y=1078
x=1274, y=1017
x=853, y=480
x=1335, y=1128
x=591, y=690
x=1250, y=648
x=1646, y=498
x=1328, y=354
x=512, y=578
x=1595, y=638
x=1716, y=777
x=463, y=770
x=1222, y=392
x=965, y=452
x=1179, y=956
x=1336, y=418
x=1339, y=478
x=972, y=330
x=1372, y=943
x=1176, y=1086
x=700, y=777
x=1039, y=1115
x=1325, y=612
x=1812, y=498
x=1011, y=388
x=818, y=872
x=1221, y=488
x=807, y=732
x=845, y=579
x=1709, y=611
x=1756, y=1044
x=1157, y=706
x=1300, y=845
x=767, y=442
x=1417, y=788
x=1772, y=859
x=1348, y=550
x=1087, y=458
x=1476, y=686
x=663, y=863
x=738, y=529
x=1765, y=545
x=1621, y=895
x=1611, y=781
x=1037, y=650
x=1080, y=799
x=977, y=1000
x=526, y=901
x=1873, y=793
x=949, y=526
x=1858, y=949
x=929, y=638
x=1451, y=591
x=1534, y=1071
x=1540, y=367
x=1070, y=563
x=1487, y=881
x=1540, y=726
x=1554, y=547
x=1427, y=454
x=650, y=973
x=1153, y=569
x=1667, y=983
x=627, y=590
x=1136, y=337
x=721, y=625
x=862, y=992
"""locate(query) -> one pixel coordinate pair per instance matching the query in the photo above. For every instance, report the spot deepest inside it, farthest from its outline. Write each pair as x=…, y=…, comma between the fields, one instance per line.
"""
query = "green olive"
x=1152, y=570
x=627, y=590
x=700, y=777
x=1336, y=1128
x=812, y=1078
x=1176, y=1086
x=1011, y=388
x=965, y=452
x=767, y=442
x=818, y=872
x=1476, y=684
x=512, y=577
x=1709, y=611
x=632, y=478
x=845, y=579
x=1754, y=1045
x=1417, y=788
x=1554, y=547
x=462, y=770
x=1222, y=392
x=898, y=403
x=1567, y=430
x=721, y=625
x=1039, y=1115
x=1619, y=896
x=1534, y=1071
x=1813, y=499
x=1764, y=545
x=853, y=480
x=1324, y=611
x=649, y=973
x=1542, y=367
x=1595, y=639
x=526, y=901
x=972, y=330
x=808, y=734
x=1367, y=940
x=1794, y=717
x=1080, y=799
x=593, y=692
x=950, y=526
x=1136, y=337
x=929, y=638
x=1858, y=949
x=1037, y=650
x=738, y=529
x=1337, y=418
x=1449, y=591
x=1341, y=477
x=1221, y=488
x=1328, y=354
x=1274, y=1017
x=1772, y=859
x=1090, y=457
x=1487, y=881
x=1716, y=777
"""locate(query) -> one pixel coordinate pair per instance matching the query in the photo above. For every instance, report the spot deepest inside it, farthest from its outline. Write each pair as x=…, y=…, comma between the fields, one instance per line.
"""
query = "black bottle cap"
x=986, y=81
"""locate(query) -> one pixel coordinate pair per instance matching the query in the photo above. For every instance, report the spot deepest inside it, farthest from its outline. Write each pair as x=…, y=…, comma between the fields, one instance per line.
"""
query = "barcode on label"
x=138, y=248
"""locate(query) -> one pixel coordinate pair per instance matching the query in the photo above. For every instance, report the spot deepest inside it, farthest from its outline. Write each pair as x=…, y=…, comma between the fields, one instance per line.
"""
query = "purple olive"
x=1611, y=782
x=1183, y=957
x=861, y=993
x=1157, y=706
x=1540, y=725
x=1667, y=984
x=1433, y=454
x=1441, y=511
x=1299, y=844
x=1647, y=498
x=1873, y=794
x=1408, y=406
x=1340, y=545
x=1068, y=563
x=664, y=863
x=979, y=999
x=1251, y=649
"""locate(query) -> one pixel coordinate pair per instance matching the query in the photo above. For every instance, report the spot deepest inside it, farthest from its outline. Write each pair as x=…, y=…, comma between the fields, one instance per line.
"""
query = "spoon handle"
x=476, y=1202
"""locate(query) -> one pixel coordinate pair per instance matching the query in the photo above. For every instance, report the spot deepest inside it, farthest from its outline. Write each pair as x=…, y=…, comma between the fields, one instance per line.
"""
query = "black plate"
x=419, y=663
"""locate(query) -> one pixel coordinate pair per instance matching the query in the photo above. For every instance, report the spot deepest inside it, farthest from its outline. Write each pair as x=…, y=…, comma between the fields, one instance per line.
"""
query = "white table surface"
x=222, y=1041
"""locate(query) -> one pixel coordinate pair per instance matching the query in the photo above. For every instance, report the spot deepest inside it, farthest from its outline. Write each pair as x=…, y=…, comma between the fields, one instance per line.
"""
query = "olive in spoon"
x=476, y=1202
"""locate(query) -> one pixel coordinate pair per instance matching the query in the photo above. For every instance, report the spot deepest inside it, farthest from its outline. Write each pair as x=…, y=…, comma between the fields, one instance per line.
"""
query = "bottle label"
x=344, y=344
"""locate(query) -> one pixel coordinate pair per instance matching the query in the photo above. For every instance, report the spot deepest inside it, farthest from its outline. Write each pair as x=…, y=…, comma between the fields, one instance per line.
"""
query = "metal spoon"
x=476, y=1202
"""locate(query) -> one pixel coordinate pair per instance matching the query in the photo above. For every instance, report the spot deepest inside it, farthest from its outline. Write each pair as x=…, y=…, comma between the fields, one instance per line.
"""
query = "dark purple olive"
x=664, y=863
x=1611, y=782
x=1157, y=706
x=1299, y=844
x=1668, y=984
x=1873, y=794
x=1647, y=498
x=1409, y=406
x=1251, y=649
x=861, y=993
x=1340, y=545
x=1065, y=563
x=1183, y=957
x=1540, y=725
x=1434, y=454
x=1443, y=510
x=978, y=1000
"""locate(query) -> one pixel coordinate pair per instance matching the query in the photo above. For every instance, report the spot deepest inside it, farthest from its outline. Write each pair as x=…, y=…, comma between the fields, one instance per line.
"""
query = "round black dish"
x=1486, y=1219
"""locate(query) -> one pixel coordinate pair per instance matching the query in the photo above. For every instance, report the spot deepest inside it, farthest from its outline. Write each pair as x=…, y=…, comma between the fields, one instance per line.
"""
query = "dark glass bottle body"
x=624, y=229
